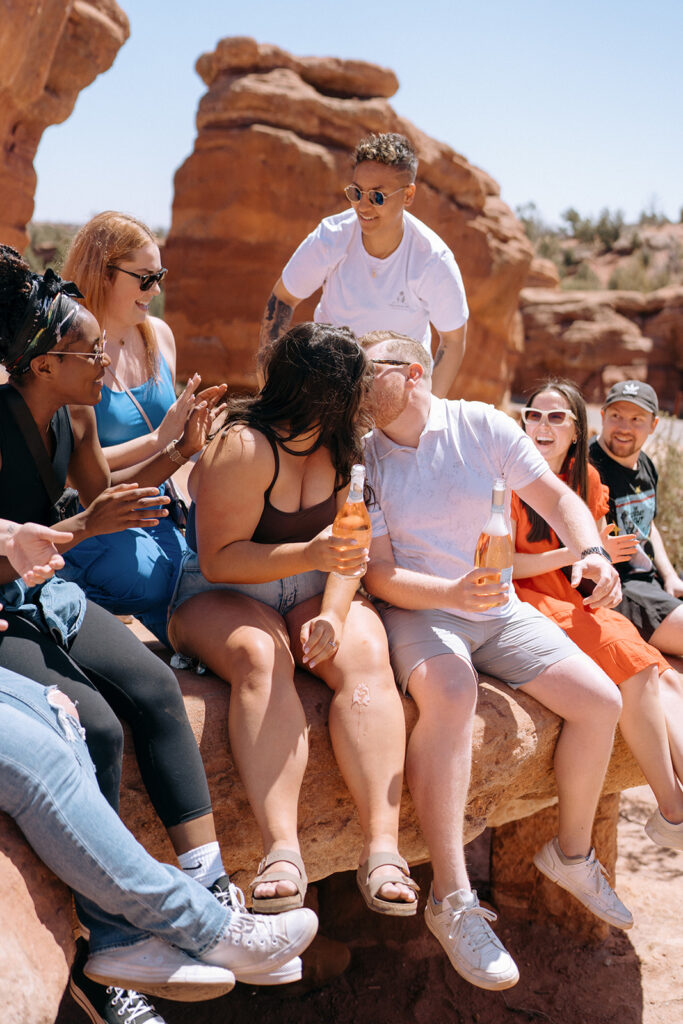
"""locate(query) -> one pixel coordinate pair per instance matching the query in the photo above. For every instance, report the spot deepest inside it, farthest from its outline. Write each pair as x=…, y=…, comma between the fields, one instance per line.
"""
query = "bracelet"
x=171, y=451
x=597, y=551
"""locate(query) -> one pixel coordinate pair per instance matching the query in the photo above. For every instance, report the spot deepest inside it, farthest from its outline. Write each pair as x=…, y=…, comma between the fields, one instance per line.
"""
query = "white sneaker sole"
x=662, y=838
x=480, y=979
x=289, y=972
x=549, y=871
x=184, y=985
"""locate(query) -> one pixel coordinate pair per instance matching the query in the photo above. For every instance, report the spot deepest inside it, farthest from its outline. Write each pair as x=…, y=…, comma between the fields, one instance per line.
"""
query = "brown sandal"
x=369, y=887
x=277, y=904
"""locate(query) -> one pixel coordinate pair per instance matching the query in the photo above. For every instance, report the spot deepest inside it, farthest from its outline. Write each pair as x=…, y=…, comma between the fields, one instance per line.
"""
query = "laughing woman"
x=555, y=420
x=51, y=348
x=115, y=261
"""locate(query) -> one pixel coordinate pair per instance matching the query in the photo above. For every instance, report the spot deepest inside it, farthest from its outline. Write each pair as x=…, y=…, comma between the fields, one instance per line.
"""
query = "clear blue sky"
x=564, y=104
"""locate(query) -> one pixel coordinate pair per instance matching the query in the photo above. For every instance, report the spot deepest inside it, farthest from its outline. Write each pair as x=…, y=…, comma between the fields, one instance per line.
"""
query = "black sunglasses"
x=389, y=362
x=376, y=197
x=146, y=280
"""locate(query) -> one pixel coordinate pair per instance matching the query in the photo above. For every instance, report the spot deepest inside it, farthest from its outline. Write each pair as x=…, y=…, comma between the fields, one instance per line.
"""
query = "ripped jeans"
x=47, y=784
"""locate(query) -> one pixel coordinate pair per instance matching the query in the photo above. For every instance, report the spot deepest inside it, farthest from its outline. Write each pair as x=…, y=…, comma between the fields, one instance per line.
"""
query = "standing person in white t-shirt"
x=431, y=465
x=379, y=267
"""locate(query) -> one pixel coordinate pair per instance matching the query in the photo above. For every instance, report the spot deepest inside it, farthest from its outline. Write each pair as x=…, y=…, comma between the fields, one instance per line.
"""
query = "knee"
x=451, y=695
x=254, y=659
x=104, y=739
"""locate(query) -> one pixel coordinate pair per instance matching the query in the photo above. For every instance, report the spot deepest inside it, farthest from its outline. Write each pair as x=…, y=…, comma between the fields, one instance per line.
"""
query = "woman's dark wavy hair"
x=575, y=464
x=316, y=375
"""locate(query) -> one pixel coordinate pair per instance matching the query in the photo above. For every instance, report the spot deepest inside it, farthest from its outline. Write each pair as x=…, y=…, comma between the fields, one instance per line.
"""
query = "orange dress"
x=606, y=636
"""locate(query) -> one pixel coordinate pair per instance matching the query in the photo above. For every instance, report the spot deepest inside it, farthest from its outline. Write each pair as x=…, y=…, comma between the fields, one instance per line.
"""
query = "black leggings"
x=108, y=672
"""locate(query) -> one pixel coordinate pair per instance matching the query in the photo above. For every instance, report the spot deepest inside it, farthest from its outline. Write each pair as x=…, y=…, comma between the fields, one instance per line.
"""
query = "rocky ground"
x=397, y=972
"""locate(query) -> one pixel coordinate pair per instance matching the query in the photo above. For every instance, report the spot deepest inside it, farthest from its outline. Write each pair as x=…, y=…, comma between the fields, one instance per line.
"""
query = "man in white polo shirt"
x=431, y=464
x=378, y=265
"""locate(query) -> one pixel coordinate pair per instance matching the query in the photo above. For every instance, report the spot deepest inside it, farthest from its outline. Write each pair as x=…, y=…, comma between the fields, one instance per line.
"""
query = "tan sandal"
x=277, y=904
x=369, y=887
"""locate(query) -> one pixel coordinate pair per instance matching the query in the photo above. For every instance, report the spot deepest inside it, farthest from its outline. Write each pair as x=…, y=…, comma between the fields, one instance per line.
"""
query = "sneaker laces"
x=478, y=932
x=597, y=874
x=130, y=1002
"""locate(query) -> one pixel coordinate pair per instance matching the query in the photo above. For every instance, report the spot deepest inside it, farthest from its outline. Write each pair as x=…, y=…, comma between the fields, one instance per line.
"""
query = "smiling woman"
x=115, y=261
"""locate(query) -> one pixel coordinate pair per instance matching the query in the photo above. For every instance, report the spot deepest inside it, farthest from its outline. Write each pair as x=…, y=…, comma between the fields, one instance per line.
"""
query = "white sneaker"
x=154, y=967
x=586, y=881
x=663, y=832
x=231, y=897
x=263, y=949
x=476, y=952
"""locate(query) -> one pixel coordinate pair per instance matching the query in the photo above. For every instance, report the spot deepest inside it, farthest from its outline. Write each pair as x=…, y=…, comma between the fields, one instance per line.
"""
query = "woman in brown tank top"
x=256, y=600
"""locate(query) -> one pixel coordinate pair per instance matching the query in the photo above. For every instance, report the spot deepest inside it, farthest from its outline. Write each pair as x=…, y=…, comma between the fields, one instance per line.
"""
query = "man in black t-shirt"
x=651, y=587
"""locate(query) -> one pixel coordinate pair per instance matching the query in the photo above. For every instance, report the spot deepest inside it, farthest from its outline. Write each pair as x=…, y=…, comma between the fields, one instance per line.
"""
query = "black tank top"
x=23, y=497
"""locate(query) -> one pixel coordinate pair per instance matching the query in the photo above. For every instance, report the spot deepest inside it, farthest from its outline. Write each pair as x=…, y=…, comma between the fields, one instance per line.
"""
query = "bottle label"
x=506, y=576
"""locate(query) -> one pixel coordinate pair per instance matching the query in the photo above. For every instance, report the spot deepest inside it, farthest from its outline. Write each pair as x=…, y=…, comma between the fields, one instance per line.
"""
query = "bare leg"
x=643, y=726
x=246, y=643
x=439, y=761
x=588, y=701
x=191, y=834
x=367, y=726
x=668, y=636
x=671, y=697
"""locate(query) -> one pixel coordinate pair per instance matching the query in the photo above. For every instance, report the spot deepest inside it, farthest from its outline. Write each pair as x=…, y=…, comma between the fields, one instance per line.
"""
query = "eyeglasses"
x=555, y=417
x=146, y=280
x=389, y=362
x=377, y=198
x=95, y=355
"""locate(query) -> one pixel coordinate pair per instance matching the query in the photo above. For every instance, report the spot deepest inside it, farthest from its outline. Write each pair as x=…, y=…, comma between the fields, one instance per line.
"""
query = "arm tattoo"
x=440, y=352
x=276, y=319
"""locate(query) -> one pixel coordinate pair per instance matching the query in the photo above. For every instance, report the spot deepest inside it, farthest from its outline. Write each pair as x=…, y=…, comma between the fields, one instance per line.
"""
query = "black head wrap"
x=50, y=309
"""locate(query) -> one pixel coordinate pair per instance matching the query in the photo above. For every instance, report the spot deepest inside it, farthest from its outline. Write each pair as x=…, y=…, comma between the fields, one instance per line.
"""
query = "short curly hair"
x=387, y=148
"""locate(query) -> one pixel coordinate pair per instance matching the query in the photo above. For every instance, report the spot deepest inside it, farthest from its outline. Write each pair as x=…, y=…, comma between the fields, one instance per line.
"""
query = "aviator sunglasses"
x=95, y=355
x=376, y=197
x=146, y=280
x=555, y=417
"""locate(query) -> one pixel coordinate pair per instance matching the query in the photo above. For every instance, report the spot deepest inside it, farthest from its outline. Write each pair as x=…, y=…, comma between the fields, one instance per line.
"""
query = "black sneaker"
x=108, y=1004
x=226, y=893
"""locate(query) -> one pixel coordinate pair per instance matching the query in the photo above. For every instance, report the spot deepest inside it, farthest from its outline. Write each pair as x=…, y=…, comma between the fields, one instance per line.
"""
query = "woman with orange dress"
x=555, y=419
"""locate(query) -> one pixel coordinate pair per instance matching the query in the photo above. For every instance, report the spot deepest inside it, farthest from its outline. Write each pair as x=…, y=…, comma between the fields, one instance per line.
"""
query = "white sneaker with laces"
x=262, y=949
x=158, y=969
x=585, y=880
x=474, y=950
x=230, y=896
x=663, y=832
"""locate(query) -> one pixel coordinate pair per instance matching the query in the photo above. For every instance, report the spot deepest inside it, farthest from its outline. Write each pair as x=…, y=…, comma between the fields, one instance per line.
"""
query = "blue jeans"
x=47, y=784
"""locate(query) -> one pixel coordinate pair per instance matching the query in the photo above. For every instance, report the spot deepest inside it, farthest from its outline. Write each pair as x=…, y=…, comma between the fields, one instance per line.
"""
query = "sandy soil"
x=398, y=974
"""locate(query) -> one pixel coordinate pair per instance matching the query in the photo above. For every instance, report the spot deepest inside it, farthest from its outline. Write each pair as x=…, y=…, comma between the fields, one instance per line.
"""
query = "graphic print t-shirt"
x=632, y=505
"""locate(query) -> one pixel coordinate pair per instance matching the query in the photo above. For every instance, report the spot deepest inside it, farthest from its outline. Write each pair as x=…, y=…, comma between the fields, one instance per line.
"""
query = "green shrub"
x=585, y=279
x=667, y=456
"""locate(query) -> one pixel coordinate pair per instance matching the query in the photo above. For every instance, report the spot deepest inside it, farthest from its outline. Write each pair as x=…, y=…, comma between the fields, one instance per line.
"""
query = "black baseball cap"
x=635, y=391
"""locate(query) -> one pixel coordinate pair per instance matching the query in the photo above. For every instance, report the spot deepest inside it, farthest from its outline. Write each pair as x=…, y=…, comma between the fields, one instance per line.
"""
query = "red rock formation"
x=273, y=152
x=49, y=51
x=599, y=337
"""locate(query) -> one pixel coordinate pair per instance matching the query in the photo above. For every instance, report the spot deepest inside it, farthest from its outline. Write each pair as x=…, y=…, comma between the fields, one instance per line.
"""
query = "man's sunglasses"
x=389, y=362
x=377, y=198
x=146, y=280
x=555, y=417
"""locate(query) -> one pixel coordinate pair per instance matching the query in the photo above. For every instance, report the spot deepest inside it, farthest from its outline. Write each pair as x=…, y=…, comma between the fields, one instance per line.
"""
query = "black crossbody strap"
x=34, y=443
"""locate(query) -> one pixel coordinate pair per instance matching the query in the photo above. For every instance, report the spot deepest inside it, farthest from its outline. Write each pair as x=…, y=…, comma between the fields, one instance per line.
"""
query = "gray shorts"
x=515, y=649
x=281, y=595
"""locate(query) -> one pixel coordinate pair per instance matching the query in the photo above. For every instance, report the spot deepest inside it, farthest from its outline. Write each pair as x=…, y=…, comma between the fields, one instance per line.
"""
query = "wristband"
x=171, y=451
x=597, y=551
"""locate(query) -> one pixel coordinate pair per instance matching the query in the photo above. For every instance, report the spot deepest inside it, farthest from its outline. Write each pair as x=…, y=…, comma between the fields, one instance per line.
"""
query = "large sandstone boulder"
x=514, y=741
x=275, y=135
x=49, y=51
x=599, y=337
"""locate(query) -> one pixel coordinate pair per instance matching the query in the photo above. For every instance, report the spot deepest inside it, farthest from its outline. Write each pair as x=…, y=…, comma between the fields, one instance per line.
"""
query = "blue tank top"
x=119, y=420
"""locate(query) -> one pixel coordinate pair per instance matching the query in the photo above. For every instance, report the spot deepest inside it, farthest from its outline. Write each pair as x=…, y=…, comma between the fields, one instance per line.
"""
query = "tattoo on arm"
x=276, y=319
x=440, y=352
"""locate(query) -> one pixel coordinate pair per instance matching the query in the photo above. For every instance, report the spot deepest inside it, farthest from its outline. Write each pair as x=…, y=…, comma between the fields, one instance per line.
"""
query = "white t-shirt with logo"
x=420, y=282
x=434, y=500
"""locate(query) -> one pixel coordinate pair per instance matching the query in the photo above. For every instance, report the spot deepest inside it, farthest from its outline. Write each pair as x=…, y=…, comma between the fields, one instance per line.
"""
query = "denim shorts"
x=281, y=595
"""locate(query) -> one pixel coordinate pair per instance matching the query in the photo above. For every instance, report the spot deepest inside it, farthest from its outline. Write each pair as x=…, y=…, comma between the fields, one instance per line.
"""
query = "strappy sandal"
x=277, y=904
x=369, y=887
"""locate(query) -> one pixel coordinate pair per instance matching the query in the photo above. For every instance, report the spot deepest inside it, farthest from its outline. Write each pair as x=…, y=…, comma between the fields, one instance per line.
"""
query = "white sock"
x=203, y=863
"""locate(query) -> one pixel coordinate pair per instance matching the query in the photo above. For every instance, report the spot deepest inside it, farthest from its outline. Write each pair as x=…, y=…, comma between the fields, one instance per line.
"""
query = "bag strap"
x=34, y=442
x=168, y=484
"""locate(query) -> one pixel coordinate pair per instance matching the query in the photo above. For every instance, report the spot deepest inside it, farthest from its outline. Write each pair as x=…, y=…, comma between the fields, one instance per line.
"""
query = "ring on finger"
x=332, y=643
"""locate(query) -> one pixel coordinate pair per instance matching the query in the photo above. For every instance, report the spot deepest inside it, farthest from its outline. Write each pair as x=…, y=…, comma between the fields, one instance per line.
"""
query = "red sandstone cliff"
x=273, y=152
x=49, y=51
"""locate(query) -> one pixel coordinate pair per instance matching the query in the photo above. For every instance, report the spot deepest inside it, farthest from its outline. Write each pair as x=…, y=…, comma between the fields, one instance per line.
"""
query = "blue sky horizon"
x=563, y=105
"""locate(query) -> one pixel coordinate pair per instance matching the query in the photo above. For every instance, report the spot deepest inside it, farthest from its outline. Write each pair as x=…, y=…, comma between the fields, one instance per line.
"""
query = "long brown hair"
x=107, y=239
x=575, y=463
x=316, y=375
